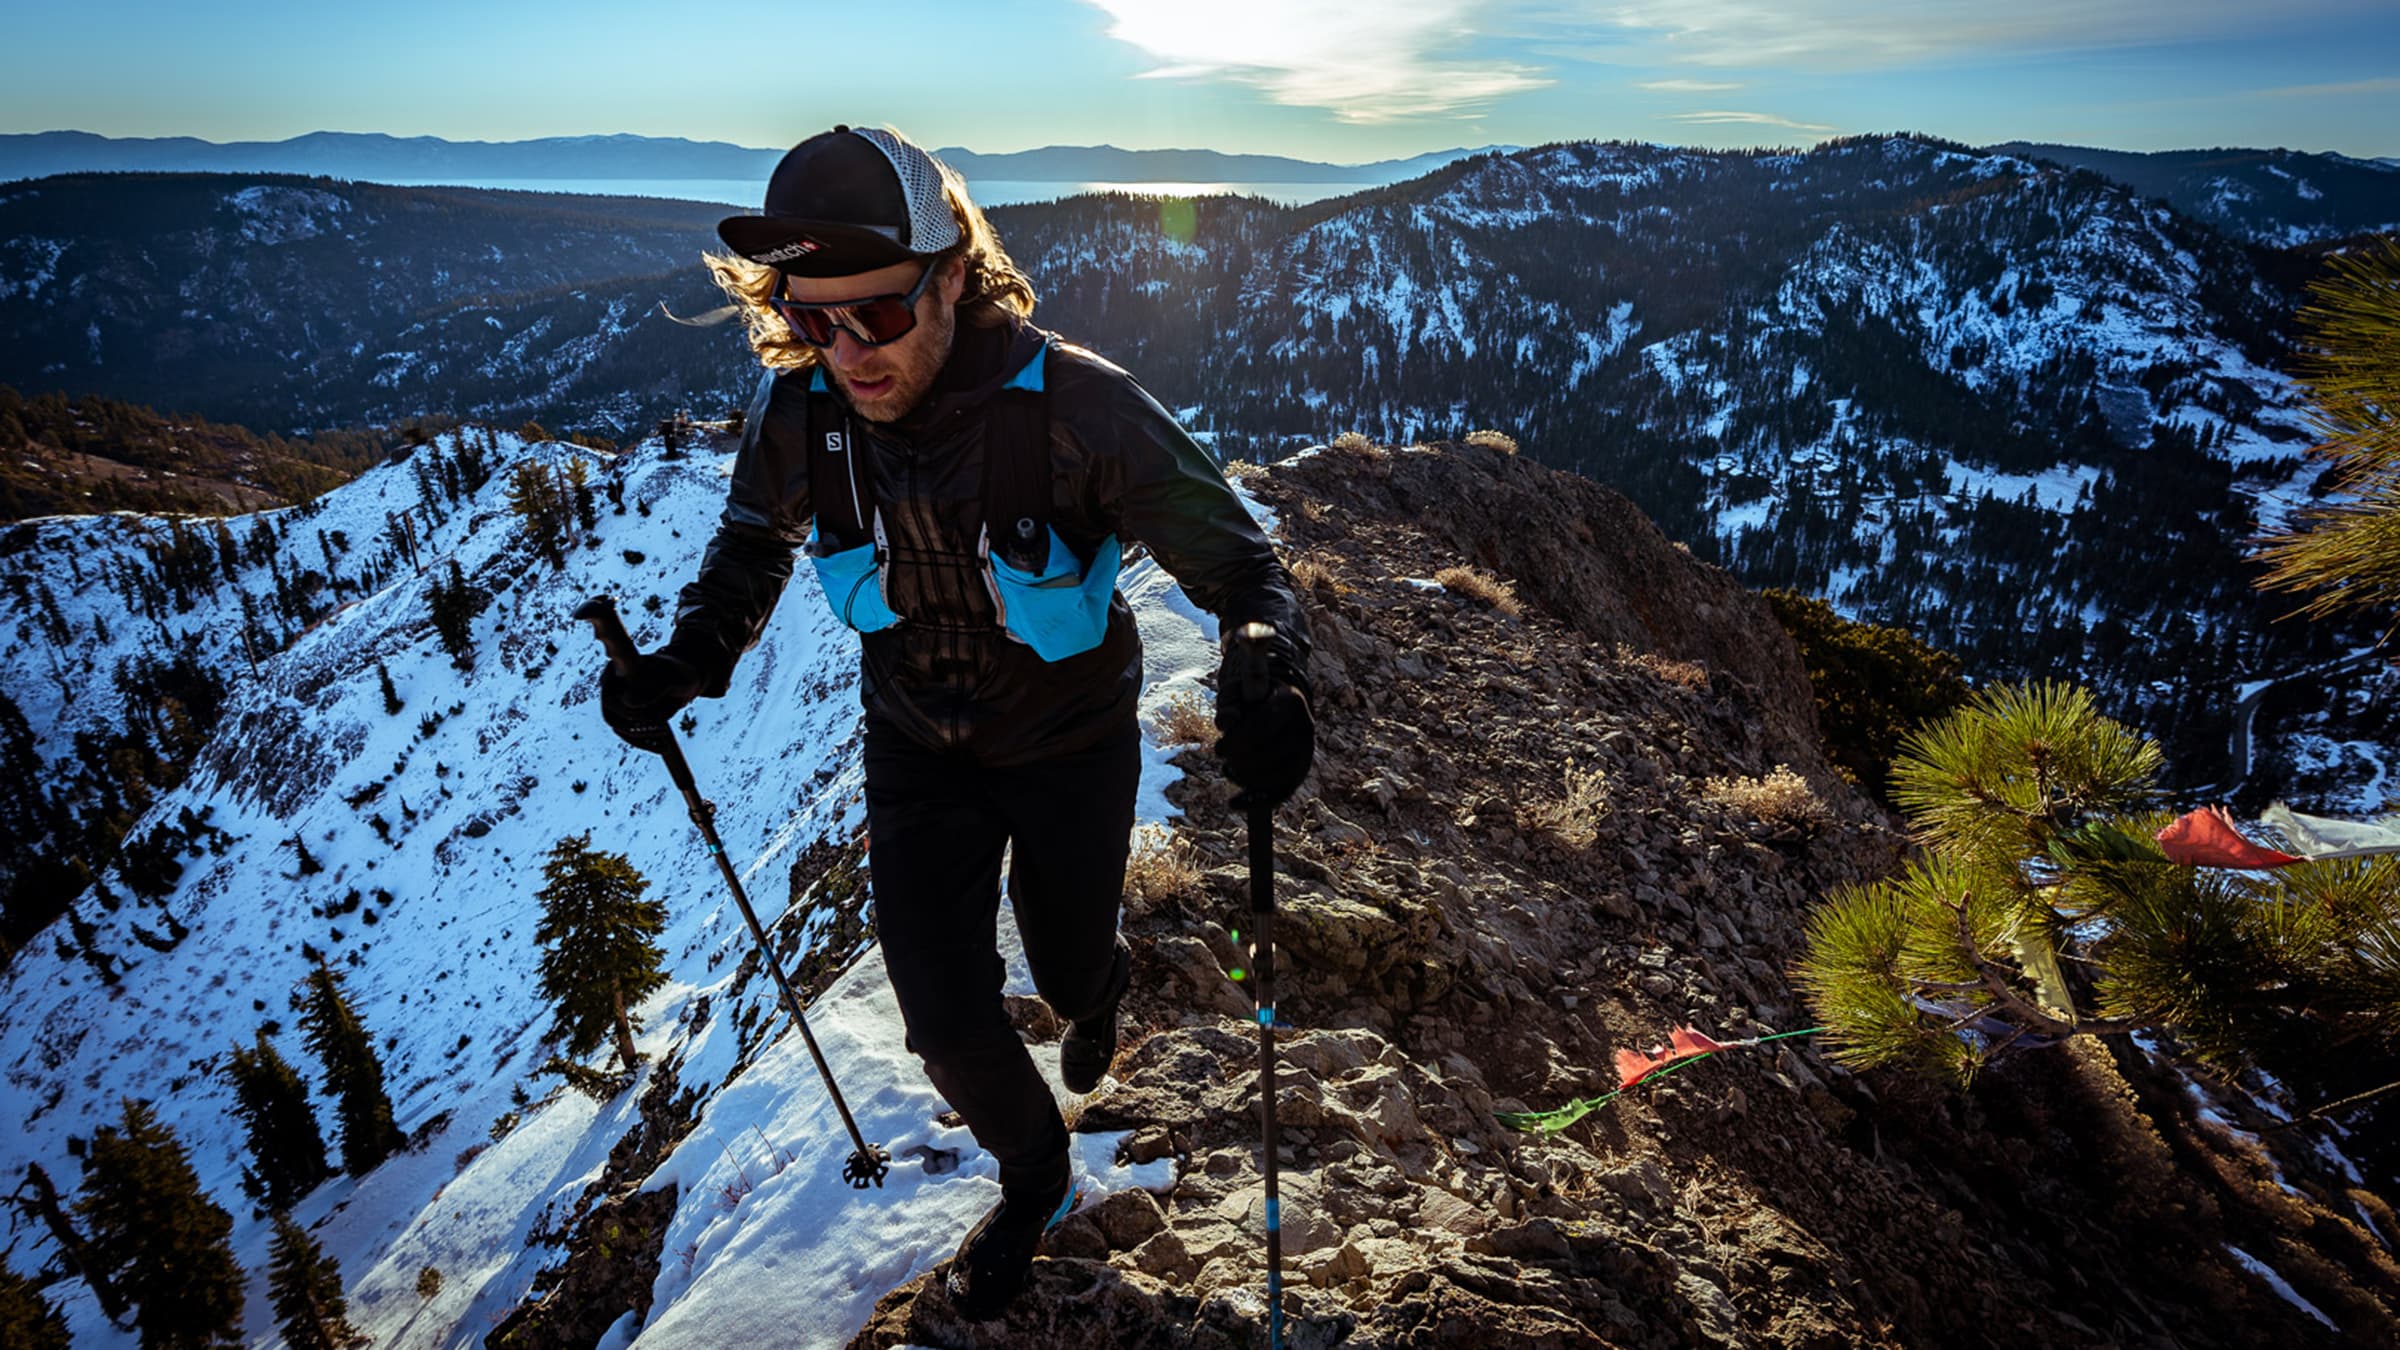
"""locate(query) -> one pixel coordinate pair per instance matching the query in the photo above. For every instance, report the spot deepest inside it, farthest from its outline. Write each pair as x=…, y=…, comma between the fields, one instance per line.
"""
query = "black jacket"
x=948, y=676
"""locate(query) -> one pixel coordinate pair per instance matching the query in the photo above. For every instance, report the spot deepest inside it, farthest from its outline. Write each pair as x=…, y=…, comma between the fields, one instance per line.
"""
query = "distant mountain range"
x=282, y=303
x=376, y=157
x=2016, y=407
x=2279, y=198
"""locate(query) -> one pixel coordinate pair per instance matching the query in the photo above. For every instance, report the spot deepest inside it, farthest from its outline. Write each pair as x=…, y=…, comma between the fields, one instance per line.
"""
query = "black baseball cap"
x=845, y=201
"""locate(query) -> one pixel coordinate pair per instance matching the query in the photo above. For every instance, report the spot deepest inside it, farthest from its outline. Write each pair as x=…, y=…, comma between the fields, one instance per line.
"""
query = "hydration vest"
x=1046, y=596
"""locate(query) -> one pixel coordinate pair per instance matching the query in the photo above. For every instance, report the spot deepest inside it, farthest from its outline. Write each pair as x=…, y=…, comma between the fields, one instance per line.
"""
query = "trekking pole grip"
x=601, y=613
x=1254, y=661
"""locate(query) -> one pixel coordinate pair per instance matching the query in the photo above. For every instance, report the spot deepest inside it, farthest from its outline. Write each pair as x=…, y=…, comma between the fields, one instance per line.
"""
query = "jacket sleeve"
x=1166, y=491
x=721, y=613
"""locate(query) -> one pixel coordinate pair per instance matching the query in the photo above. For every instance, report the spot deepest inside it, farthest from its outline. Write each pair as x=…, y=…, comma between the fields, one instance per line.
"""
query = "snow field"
x=765, y=1232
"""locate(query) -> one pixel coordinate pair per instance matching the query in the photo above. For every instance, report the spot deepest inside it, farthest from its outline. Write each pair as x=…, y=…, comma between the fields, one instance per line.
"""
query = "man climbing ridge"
x=971, y=480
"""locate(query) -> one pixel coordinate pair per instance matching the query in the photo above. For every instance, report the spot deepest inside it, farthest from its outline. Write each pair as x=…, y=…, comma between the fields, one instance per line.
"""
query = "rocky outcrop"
x=615, y=1263
x=613, y=1237
x=1527, y=845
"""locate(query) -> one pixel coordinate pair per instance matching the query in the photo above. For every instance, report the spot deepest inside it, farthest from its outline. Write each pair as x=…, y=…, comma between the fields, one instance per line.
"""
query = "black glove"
x=639, y=705
x=1267, y=737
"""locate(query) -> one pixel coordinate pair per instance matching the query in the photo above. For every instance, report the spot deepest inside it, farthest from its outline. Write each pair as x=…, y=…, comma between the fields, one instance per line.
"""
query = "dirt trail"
x=1462, y=934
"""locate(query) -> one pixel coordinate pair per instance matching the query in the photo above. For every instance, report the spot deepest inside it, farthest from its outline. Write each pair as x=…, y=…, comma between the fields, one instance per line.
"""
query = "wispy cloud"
x=1363, y=60
x=2389, y=84
x=1724, y=117
x=1688, y=86
x=1870, y=34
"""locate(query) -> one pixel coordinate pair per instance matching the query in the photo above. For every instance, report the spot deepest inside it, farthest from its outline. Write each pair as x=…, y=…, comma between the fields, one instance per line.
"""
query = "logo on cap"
x=798, y=248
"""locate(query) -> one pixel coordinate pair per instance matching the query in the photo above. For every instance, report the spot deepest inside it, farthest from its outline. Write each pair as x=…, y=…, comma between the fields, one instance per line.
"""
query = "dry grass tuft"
x=1493, y=440
x=1313, y=571
x=1780, y=798
x=1354, y=443
x=1188, y=720
x=1241, y=470
x=1478, y=585
x=1685, y=674
x=1162, y=867
x=1573, y=819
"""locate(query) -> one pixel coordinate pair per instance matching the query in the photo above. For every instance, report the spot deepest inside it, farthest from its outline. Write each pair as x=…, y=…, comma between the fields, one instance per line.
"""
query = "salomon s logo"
x=833, y=443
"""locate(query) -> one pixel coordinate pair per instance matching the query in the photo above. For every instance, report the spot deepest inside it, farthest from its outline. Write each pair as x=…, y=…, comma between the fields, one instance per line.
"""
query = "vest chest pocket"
x=1062, y=609
x=853, y=583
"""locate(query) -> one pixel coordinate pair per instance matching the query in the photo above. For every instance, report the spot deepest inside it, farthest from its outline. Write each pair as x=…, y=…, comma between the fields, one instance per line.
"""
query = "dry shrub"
x=1686, y=674
x=1313, y=571
x=1242, y=470
x=1478, y=585
x=1780, y=798
x=1162, y=866
x=1188, y=720
x=1354, y=443
x=1493, y=440
x=1573, y=819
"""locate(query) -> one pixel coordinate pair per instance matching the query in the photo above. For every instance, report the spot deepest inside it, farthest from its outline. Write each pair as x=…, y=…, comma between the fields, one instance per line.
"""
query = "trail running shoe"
x=1085, y=1053
x=990, y=1269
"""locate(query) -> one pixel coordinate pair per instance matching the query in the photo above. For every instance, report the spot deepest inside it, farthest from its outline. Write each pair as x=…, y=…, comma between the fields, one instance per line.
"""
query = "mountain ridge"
x=2280, y=198
x=370, y=155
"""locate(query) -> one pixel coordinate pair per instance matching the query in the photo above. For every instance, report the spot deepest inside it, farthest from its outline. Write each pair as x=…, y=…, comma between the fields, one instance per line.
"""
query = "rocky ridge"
x=1524, y=847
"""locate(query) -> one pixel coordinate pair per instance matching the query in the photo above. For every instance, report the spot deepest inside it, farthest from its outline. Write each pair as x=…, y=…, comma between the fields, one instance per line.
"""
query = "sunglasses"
x=874, y=321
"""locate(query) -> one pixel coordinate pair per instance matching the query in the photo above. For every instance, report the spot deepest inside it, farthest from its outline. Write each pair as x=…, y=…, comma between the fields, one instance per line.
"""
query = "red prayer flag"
x=2207, y=838
x=1633, y=1066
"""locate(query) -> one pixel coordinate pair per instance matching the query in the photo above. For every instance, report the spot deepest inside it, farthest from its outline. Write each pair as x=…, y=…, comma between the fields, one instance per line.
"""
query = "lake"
x=987, y=192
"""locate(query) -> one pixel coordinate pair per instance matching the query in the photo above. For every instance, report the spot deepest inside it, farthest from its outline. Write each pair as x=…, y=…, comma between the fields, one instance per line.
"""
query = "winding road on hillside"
x=2246, y=711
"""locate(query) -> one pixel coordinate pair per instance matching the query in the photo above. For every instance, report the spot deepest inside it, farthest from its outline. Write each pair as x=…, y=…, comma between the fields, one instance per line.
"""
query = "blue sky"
x=1342, y=80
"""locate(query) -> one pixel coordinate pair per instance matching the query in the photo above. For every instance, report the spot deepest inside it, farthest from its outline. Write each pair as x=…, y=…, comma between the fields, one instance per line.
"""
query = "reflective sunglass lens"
x=873, y=322
x=814, y=325
x=884, y=319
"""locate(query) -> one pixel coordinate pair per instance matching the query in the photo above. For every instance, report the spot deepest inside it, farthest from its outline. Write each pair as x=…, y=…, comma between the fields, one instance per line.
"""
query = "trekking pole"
x=1254, y=676
x=870, y=1162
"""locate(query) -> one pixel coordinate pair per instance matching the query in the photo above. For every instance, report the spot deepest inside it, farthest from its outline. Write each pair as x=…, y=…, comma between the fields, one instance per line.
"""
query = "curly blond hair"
x=995, y=289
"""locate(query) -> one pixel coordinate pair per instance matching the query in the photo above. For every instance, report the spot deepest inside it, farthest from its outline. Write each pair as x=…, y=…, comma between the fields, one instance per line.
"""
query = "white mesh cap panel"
x=931, y=227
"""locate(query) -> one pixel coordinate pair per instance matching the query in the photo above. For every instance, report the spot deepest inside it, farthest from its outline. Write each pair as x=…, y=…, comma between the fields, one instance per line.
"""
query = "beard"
x=894, y=379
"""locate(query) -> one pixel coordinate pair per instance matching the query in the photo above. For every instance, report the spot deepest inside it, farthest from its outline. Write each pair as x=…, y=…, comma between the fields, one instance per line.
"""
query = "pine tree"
x=28, y=1321
x=306, y=1287
x=309, y=866
x=391, y=697
x=353, y=1073
x=159, y=1236
x=229, y=554
x=535, y=494
x=2349, y=554
x=2043, y=908
x=287, y=1151
x=454, y=605
x=596, y=930
x=579, y=489
x=37, y=1200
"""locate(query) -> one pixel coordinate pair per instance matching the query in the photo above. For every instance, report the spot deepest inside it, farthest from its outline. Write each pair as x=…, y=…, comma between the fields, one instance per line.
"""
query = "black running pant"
x=937, y=823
